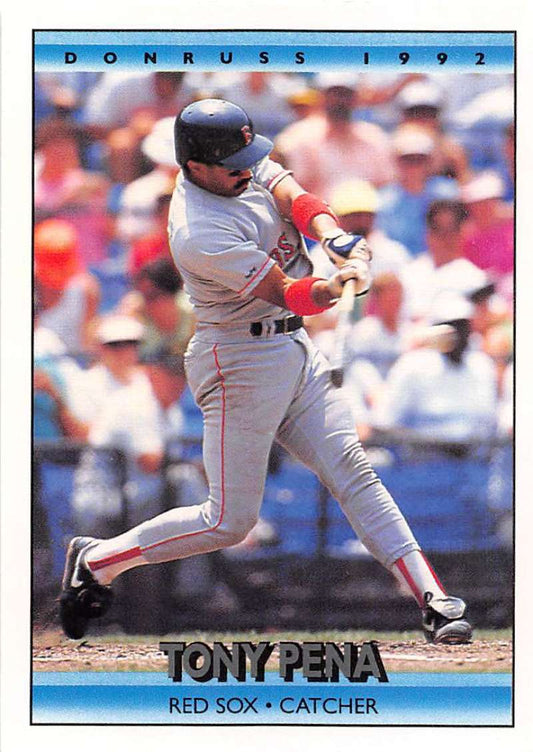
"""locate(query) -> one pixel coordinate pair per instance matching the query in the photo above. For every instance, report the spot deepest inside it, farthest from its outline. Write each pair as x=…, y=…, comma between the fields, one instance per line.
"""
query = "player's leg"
x=244, y=395
x=319, y=430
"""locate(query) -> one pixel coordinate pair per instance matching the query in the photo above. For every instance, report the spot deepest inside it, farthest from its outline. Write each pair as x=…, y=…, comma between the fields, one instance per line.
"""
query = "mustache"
x=242, y=182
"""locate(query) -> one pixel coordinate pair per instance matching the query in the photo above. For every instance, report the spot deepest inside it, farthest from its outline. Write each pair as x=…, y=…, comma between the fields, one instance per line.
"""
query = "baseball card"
x=263, y=420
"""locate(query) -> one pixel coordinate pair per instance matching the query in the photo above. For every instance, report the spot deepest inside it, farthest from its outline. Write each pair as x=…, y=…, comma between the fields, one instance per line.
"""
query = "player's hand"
x=340, y=246
x=356, y=269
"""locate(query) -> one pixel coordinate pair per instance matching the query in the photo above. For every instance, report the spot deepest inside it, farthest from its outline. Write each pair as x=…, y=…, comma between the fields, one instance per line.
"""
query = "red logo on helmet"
x=247, y=134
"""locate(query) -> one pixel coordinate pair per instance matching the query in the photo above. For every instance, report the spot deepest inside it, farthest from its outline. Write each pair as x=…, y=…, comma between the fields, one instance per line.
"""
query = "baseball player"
x=235, y=225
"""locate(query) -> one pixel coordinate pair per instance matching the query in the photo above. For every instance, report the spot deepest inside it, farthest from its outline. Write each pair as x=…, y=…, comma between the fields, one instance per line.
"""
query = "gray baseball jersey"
x=253, y=389
x=223, y=247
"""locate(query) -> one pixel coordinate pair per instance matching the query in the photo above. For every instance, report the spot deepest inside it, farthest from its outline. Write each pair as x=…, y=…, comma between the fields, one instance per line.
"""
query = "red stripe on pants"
x=412, y=584
x=132, y=553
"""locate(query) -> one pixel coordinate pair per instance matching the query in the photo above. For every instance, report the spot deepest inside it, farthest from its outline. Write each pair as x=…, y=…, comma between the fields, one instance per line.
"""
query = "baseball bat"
x=342, y=332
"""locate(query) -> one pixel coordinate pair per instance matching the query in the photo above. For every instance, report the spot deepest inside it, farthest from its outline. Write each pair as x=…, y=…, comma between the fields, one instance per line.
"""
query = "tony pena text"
x=318, y=661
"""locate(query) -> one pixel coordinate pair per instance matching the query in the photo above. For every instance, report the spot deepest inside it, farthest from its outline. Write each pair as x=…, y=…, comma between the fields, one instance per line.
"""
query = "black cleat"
x=443, y=622
x=82, y=597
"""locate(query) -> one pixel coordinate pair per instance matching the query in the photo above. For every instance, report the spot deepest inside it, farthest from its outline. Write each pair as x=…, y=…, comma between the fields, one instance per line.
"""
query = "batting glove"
x=340, y=246
x=356, y=269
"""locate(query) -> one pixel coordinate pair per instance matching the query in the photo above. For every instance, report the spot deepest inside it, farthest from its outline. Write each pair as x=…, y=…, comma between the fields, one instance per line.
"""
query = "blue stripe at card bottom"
x=152, y=698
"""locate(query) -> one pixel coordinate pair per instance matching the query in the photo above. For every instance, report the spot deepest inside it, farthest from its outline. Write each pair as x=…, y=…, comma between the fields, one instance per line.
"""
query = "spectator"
x=63, y=189
x=304, y=101
x=62, y=94
x=166, y=372
x=377, y=94
x=488, y=237
x=262, y=95
x=124, y=107
x=375, y=343
x=116, y=403
x=119, y=97
x=461, y=92
x=420, y=104
x=483, y=118
x=442, y=267
x=117, y=364
x=56, y=379
x=382, y=337
x=443, y=396
x=404, y=203
x=491, y=311
x=160, y=302
x=138, y=202
x=498, y=344
x=139, y=416
x=69, y=296
x=329, y=147
x=154, y=244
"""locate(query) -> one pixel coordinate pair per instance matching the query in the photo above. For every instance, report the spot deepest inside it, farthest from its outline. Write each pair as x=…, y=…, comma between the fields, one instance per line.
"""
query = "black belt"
x=281, y=326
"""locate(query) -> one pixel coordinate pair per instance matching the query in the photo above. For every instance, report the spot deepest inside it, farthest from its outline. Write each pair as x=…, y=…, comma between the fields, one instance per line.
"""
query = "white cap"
x=159, y=144
x=330, y=79
x=462, y=277
x=485, y=185
x=413, y=141
x=118, y=328
x=420, y=94
x=450, y=306
x=473, y=280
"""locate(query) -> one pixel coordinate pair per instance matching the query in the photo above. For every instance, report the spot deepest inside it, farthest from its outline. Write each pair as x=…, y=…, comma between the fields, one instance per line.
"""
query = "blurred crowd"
x=422, y=165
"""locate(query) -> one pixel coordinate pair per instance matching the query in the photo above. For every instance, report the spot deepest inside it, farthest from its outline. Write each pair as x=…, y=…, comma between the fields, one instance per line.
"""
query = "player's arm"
x=310, y=295
x=310, y=214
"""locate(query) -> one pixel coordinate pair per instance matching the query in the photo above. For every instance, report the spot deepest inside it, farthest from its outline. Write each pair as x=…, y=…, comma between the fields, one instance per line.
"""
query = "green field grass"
x=300, y=636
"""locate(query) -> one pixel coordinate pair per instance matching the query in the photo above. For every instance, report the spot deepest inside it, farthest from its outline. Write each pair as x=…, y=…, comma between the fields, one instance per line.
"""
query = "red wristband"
x=305, y=208
x=298, y=297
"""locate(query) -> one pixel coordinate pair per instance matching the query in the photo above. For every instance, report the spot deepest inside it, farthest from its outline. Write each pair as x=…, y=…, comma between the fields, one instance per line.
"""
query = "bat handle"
x=345, y=304
x=344, y=307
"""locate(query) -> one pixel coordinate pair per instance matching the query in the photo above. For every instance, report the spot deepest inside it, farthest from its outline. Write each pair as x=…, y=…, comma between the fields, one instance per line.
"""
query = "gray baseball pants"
x=252, y=390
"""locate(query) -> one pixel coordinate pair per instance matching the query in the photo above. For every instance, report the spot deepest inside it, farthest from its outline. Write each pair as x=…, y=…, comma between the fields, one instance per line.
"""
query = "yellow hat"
x=354, y=196
x=304, y=96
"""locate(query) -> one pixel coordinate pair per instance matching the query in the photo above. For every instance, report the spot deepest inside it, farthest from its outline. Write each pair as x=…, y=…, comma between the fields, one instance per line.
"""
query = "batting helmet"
x=213, y=131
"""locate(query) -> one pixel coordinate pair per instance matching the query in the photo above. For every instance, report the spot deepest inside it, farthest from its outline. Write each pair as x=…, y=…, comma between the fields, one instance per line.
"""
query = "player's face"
x=220, y=180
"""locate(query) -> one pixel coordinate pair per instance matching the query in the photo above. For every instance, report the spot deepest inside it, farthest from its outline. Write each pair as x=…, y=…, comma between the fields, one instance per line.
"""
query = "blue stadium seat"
x=291, y=504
